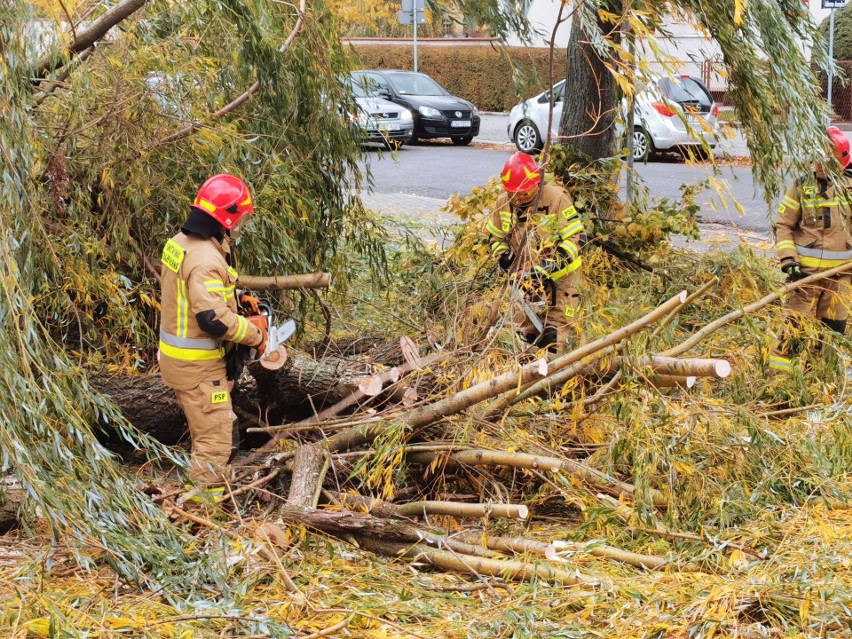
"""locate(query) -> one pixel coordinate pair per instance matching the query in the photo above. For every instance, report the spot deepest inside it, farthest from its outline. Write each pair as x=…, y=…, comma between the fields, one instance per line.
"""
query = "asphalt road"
x=438, y=169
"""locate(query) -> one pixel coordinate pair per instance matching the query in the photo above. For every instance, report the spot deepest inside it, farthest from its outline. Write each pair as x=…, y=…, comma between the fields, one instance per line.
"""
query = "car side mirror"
x=383, y=93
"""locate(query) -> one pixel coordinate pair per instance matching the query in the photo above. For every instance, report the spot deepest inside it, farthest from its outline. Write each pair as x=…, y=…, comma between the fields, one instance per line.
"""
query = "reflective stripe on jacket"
x=814, y=222
x=195, y=278
x=552, y=231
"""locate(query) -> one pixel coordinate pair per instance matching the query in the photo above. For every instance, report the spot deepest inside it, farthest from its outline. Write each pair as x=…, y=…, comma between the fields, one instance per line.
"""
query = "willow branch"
x=88, y=37
x=239, y=101
x=751, y=308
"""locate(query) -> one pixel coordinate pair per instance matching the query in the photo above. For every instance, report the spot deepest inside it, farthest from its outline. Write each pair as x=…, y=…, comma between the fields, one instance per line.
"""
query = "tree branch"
x=228, y=108
x=88, y=37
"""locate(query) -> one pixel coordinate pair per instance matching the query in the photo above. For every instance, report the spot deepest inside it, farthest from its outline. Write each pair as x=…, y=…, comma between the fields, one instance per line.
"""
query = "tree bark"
x=151, y=406
x=284, y=282
x=588, y=114
x=506, y=568
x=306, y=380
x=536, y=462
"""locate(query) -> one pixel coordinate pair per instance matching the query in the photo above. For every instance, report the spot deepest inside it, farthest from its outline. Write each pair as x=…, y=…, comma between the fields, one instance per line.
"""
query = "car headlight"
x=429, y=112
x=475, y=111
x=406, y=116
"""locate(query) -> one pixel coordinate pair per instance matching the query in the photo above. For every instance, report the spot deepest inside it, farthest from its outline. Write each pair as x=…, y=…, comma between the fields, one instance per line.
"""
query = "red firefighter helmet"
x=225, y=198
x=840, y=143
x=520, y=174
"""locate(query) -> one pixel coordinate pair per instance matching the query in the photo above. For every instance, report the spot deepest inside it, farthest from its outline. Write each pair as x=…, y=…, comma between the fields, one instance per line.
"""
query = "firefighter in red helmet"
x=813, y=233
x=199, y=318
x=536, y=234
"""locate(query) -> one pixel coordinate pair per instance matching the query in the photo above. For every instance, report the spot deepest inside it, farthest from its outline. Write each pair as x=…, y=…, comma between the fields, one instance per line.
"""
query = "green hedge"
x=482, y=75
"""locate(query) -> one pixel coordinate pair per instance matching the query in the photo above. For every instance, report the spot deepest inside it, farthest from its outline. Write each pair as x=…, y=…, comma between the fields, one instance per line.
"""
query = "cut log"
x=672, y=381
x=694, y=367
x=309, y=468
x=284, y=282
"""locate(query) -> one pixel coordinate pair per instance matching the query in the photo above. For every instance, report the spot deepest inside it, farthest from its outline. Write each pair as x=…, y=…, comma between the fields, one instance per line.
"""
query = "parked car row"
x=397, y=107
x=662, y=111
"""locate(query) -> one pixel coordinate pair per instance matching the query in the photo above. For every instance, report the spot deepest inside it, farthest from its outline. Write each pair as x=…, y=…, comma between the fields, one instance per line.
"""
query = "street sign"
x=405, y=17
x=408, y=9
x=833, y=4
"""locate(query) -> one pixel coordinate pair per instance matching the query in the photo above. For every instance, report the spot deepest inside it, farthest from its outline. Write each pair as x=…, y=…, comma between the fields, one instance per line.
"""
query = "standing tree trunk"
x=588, y=115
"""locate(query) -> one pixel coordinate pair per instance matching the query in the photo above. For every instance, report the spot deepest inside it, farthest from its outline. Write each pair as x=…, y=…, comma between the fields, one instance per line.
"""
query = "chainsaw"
x=275, y=355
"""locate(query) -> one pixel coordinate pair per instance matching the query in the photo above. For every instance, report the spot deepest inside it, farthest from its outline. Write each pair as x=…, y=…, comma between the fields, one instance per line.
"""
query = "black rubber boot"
x=838, y=326
x=235, y=439
x=547, y=338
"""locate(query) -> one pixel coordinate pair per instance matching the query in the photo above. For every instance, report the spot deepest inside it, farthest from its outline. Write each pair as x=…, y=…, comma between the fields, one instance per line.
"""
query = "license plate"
x=460, y=123
x=390, y=126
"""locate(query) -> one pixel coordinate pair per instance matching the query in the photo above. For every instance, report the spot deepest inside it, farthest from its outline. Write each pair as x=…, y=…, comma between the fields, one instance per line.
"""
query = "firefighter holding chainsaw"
x=200, y=321
x=813, y=233
x=536, y=236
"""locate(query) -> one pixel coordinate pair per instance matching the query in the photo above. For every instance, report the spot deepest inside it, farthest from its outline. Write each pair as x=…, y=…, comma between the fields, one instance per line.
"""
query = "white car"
x=382, y=120
x=662, y=112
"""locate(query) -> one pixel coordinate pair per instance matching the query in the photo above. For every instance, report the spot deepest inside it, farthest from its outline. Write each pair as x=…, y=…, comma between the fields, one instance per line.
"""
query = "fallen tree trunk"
x=151, y=406
x=304, y=379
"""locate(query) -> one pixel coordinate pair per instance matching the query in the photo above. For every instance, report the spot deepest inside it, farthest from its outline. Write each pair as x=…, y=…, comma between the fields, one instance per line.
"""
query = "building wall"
x=687, y=42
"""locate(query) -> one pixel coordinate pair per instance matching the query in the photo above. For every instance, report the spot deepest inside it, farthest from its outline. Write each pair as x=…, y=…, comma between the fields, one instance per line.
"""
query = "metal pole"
x=414, y=17
x=631, y=48
x=831, y=59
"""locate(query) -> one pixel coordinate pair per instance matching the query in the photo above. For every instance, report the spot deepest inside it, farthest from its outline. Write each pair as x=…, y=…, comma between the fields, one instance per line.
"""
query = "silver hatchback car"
x=662, y=112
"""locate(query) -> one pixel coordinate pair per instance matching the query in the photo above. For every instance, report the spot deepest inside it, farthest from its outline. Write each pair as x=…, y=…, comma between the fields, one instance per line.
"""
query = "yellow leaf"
x=739, y=7
x=40, y=627
x=122, y=623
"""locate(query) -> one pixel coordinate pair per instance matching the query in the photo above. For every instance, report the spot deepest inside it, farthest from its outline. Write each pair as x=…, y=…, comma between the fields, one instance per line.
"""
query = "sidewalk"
x=424, y=216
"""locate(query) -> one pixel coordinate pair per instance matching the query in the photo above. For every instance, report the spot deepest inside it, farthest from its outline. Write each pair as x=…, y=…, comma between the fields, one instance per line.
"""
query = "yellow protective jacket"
x=547, y=229
x=198, y=311
x=814, y=222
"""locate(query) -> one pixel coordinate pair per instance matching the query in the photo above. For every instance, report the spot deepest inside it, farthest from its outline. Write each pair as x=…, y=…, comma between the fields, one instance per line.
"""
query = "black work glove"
x=505, y=260
x=235, y=361
x=793, y=272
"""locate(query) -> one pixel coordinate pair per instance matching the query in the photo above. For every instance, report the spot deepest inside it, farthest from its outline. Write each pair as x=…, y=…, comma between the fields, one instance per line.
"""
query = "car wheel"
x=527, y=137
x=463, y=141
x=643, y=148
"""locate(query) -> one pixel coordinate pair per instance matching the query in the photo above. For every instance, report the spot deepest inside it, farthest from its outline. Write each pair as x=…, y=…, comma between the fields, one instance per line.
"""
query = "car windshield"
x=415, y=84
x=358, y=89
x=684, y=90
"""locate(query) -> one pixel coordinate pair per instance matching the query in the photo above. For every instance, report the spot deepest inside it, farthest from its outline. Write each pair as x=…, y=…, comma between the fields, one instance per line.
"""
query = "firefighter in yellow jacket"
x=199, y=315
x=812, y=234
x=536, y=235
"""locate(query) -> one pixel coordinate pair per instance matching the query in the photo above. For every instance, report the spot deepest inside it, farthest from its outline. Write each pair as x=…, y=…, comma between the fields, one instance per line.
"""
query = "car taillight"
x=663, y=109
x=715, y=111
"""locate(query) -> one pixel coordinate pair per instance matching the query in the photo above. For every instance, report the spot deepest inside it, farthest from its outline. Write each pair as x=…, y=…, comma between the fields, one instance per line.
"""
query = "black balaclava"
x=201, y=224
